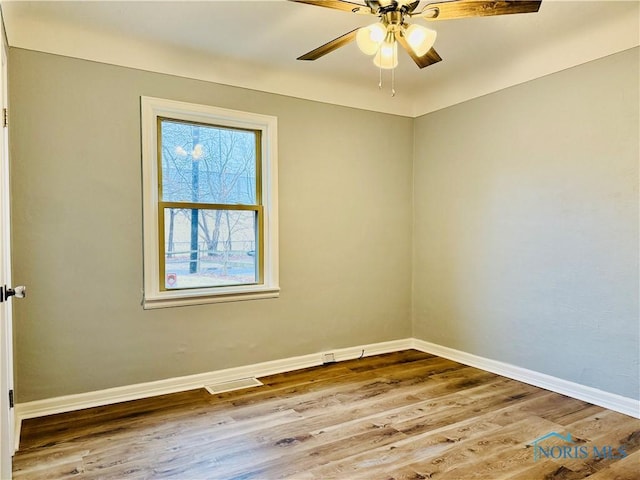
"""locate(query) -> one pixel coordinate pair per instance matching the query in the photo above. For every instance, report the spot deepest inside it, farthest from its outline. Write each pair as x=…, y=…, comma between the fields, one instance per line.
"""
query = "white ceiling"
x=254, y=44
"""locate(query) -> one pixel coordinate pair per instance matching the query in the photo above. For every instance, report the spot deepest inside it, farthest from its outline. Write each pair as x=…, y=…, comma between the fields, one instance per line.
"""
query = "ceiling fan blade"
x=427, y=59
x=474, y=8
x=330, y=46
x=337, y=5
x=409, y=5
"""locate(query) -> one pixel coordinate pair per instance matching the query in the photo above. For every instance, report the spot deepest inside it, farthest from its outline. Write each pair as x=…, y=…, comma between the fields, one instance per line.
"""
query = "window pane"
x=209, y=248
x=207, y=164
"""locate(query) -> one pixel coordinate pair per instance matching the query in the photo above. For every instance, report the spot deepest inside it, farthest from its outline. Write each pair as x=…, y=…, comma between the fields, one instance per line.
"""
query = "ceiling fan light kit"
x=381, y=39
x=386, y=56
x=420, y=38
x=369, y=38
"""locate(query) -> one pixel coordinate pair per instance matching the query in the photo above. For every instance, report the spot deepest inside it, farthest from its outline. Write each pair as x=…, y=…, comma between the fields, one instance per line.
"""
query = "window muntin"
x=213, y=210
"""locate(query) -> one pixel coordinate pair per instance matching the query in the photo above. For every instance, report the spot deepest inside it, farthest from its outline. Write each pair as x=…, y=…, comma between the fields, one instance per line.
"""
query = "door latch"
x=18, y=292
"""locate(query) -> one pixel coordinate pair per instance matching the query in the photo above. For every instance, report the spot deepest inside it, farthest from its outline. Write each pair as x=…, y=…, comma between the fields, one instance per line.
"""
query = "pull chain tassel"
x=393, y=82
x=393, y=73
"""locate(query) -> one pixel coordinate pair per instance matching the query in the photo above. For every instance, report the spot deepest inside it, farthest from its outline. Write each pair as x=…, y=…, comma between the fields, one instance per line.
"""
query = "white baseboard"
x=108, y=396
x=69, y=403
x=618, y=403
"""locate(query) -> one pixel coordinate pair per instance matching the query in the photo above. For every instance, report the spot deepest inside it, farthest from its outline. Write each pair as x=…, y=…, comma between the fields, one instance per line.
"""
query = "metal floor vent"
x=232, y=385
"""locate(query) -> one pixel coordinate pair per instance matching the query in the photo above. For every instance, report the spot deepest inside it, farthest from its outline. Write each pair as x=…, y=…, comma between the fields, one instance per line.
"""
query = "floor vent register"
x=232, y=385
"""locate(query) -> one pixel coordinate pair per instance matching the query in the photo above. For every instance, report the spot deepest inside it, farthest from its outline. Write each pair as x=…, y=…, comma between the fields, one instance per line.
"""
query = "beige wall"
x=345, y=232
x=526, y=225
x=525, y=229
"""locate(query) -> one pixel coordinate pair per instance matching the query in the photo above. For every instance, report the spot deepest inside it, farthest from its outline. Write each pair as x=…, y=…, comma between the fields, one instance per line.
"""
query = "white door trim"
x=7, y=419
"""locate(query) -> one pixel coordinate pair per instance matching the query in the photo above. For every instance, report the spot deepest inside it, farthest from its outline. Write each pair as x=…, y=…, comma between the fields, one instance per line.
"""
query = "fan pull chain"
x=393, y=82
x=393, y=74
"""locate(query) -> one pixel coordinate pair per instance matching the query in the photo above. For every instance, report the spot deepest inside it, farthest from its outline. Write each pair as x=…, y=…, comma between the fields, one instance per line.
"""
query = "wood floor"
x=405, y=415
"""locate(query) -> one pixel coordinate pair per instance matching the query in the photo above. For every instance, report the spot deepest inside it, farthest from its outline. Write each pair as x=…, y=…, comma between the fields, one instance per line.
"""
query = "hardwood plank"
x=417, y=452
x=550, y=406
x=626, y=469
x=601, y=430
x=66, y=426
x=404, y=415
x=396, y=359
x=62, y=460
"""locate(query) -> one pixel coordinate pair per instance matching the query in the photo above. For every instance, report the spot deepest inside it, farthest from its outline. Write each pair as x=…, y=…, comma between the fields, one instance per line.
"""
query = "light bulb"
x=369, y=38
x=387, y=56
x=420, y=39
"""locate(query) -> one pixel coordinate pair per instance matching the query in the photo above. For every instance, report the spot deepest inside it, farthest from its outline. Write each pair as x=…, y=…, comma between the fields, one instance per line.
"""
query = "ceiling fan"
x=381, y=39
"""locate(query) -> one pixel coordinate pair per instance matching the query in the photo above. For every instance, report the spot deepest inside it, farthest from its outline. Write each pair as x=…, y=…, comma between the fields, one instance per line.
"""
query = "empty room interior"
x=250, y=251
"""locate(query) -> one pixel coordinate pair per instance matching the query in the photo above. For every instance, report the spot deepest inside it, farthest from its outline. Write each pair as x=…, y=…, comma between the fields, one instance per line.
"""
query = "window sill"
x=182, y=299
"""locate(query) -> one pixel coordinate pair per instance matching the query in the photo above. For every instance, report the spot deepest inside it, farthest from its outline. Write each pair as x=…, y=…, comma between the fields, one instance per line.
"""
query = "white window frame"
x=154, y=296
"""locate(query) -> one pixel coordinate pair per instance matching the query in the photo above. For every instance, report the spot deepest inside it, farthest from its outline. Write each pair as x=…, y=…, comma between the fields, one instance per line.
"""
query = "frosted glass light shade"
x=420, y=39
x=369, y=38
x=387, y=56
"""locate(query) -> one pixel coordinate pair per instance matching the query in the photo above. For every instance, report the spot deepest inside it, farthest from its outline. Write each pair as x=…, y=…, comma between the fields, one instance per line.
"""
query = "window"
x=209, y=204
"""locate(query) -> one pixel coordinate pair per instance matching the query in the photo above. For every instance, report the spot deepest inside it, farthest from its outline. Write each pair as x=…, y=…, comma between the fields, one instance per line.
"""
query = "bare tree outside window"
x=211, y=241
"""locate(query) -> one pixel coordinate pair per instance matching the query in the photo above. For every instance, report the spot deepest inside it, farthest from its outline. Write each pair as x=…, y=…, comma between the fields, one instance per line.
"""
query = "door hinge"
x=11, y=398
x=5, y=117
